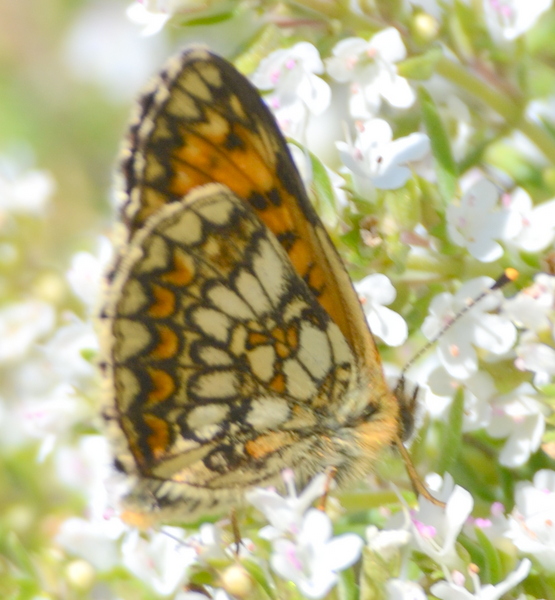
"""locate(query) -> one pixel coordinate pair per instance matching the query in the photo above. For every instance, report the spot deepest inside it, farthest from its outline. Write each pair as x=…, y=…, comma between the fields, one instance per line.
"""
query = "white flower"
x=290, y=74
x=311, y=561
x=86, y=271
x=537, y=230
x=387, y=542
x=161, y=561
x=376, y=160
x=532, y=308
x=152, y=15
x=53, y=415
x=94, y=541
x=375, y=291
x=435, y=529
x=369, y=67
x=21, y=325
x=479, y=389
x=453, y=591
x=148, y=16
x=28, y=192
x=285, y=514
x=532, y=521
x=479, y=220
x=493, y=333
x=532, y=355
x=398, y=589
x=519, y=417
x=508, y=19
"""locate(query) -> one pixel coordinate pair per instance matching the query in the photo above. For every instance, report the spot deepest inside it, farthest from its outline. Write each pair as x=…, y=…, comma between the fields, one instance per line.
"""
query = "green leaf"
x=259, y=575
x=446, y=168
x=452, y=433
x=321, y=186
x=347, y=586
x=373, y=576
x=494, y=569
x=420, y=67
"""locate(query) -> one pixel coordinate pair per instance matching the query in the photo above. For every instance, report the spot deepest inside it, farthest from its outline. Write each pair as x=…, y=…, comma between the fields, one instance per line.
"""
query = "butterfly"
x=233, y=343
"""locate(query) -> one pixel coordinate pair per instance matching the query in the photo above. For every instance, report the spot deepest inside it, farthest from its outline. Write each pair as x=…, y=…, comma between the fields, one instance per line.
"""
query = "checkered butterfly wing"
x=234, y=345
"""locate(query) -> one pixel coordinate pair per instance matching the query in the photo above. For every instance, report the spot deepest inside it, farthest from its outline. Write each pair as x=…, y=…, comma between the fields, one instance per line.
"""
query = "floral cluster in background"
x=425, y=133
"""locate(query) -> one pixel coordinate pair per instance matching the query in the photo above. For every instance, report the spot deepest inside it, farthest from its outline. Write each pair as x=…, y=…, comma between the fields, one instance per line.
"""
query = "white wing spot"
x=261, y=361
x=314, y=352
x=214, y=357
x=248, y=286
x=229, y=302
x=216, y=384
x=268, y=268
x=206, y=421
x=299, y=383
x=131, y=339
x=213, y=323
x=187, y=229
x=268, y=413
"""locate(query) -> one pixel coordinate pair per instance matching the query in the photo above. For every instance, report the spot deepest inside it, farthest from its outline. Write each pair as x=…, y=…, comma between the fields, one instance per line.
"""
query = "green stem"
x=511, y=110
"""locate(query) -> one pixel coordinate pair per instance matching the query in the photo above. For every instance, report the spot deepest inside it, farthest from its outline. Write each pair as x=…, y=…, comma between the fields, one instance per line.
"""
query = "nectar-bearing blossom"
x=435, y=529
x=493, y=333
x=369, y=66
x=24, y=192
x=312, y=559
x=479, y=220
x=479, y=389
x=376, y=160
x=520, y=417
x=508, y=19
x=453, y=590
x=532, y=521
x=291, y=76
x=285, y=513
x=374, y=292
x=537, y=223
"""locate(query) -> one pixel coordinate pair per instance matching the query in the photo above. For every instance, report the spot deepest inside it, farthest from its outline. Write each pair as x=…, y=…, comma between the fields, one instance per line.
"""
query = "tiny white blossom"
x=53, y=415
x=24, y=192
x=370, y=68
x=375, y=291
x=398, y=589
x=453, y=591
x=292, y=76
x=508, y=19
x=21, y=326
x=435, y=529
x=533, y=355
x=455, y=348
x=532, y=308
x=285, y=514
x=95, y=541
x=479, y=220
x=160, y=561
x=532, y=521
x=152, y=15
x=479, y=389
x=387, y=542
x=313, y=558
x=378, y=161
x=519, y=417
x=86, y=270
x=537, y=223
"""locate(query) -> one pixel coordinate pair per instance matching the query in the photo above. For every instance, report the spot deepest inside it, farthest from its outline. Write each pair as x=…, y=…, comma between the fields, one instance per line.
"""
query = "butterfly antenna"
x=507, y=276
